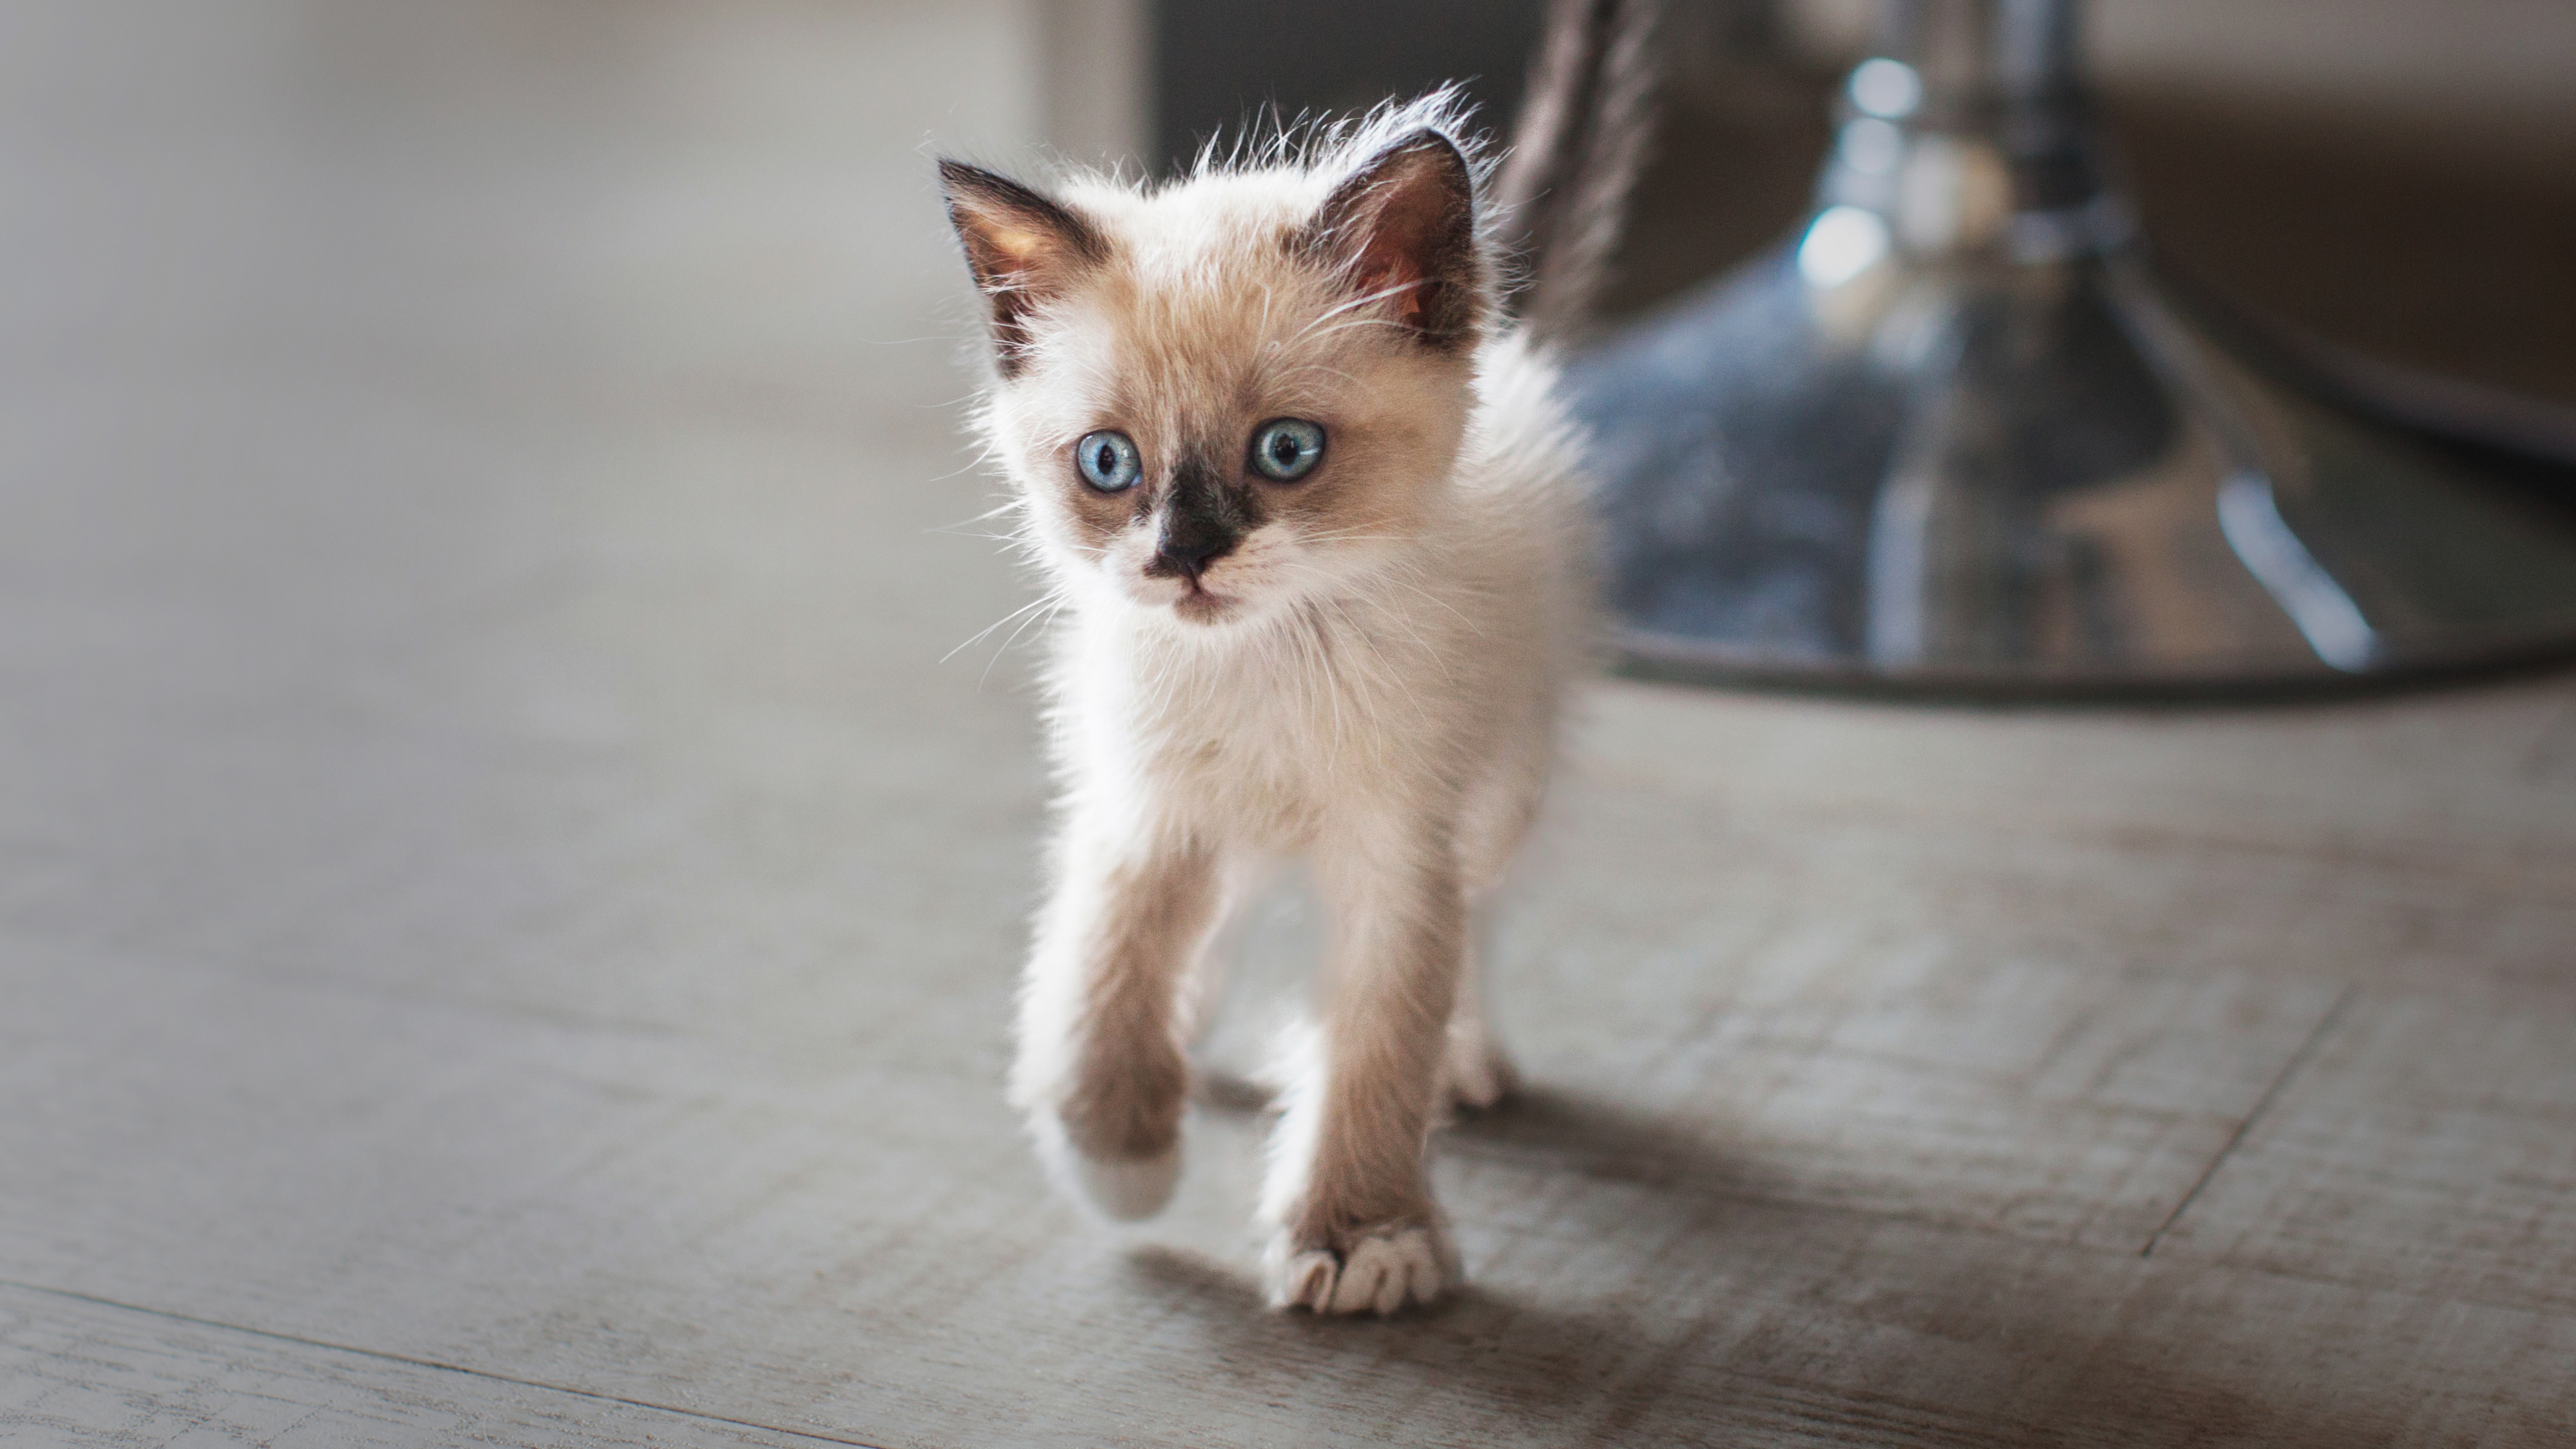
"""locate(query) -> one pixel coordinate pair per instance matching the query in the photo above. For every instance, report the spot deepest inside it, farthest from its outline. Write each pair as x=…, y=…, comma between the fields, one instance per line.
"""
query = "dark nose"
x=1189, y=544
x=1202, y=522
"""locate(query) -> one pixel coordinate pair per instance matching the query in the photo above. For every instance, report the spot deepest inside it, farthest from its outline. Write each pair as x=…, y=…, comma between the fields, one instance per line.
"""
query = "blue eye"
x=1287, y=449
x=1108, y=461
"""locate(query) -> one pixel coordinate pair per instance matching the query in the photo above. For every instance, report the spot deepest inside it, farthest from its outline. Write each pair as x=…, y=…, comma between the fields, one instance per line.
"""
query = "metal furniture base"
x=1960, y=436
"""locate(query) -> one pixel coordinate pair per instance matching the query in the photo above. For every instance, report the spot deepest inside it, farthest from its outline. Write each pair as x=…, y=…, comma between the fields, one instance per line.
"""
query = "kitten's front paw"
x=1124, y=1189
x=1383, y=1270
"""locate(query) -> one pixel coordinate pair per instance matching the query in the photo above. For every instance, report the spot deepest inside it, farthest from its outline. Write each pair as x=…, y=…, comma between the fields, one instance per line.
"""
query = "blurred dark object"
x=1218, y=65
x=1576, y=149
x=1961, y=436
x=2359, y=237
x=2426, y=245
x=2419, y=228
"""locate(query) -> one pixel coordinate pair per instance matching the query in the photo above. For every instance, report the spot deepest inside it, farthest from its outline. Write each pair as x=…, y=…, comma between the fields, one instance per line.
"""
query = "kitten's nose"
x=1201, y=523
x=1187, y=551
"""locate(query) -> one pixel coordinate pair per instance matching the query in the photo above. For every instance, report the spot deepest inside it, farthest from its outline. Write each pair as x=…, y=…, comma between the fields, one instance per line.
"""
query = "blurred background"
x=2397, y=177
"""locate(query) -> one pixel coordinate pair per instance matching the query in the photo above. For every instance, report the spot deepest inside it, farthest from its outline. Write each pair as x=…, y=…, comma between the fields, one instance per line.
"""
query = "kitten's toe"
x=1474, y=1073
x=1382, y=1272
x=1303, y=1280
x=1373, y=1278
x=1122, y=1189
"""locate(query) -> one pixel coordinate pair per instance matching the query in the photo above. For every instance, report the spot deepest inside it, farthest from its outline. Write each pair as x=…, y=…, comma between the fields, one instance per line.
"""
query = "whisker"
x=1056, y=603
x=996, y=624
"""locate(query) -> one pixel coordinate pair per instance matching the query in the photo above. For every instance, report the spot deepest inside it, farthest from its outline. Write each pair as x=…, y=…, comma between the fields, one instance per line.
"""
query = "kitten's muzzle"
x=1202, y=523
x=1187, y=556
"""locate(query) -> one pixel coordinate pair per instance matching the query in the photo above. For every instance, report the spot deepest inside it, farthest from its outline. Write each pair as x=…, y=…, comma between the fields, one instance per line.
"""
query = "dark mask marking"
x=1204, y=517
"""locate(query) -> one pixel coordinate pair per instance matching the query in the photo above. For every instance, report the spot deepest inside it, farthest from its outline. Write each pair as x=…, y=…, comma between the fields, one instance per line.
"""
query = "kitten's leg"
x=1475, y=1073
x=1100, y=1071
x=1354, y=1226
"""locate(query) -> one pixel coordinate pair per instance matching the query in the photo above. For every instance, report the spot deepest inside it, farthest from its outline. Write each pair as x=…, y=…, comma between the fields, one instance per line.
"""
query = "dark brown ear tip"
x=1424, y=161
x=973, y=191
x=1430, y=138
x=964, y=177
x=1429, y=144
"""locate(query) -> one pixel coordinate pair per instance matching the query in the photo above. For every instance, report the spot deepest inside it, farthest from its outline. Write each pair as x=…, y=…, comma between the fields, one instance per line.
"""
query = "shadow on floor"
x=1682, y=1305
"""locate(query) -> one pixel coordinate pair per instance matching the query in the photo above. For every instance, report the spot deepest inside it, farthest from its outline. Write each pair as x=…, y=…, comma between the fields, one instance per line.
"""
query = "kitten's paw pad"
x=1381, y=1273
x=1474, y=1074
x=1124, y=1190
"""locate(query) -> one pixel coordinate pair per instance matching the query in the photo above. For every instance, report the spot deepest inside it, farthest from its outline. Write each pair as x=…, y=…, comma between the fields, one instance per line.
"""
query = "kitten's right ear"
x=1022, y=248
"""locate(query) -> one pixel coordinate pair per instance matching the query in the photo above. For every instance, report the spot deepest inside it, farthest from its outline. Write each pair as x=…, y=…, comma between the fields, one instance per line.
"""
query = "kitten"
x=1319, y=532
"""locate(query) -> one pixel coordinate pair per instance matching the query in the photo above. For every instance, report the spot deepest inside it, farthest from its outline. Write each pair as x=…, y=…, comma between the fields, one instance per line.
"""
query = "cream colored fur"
x=1372, y=679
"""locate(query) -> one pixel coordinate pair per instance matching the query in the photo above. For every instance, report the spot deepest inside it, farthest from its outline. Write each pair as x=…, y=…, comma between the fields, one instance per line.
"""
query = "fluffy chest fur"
x=1260, y=736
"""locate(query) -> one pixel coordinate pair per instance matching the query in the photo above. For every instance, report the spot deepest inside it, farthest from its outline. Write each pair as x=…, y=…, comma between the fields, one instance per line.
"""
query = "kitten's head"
x=1244, y=389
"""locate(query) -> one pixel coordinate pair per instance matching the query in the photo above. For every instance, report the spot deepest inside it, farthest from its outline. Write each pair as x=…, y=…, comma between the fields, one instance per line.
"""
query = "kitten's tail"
x=1577, y=149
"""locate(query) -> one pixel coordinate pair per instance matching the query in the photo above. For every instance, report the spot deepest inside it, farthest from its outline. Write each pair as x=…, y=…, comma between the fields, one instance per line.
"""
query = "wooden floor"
x=507, y=918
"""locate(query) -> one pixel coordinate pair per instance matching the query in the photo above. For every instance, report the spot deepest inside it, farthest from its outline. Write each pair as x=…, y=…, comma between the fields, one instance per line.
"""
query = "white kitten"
x=1320, y=531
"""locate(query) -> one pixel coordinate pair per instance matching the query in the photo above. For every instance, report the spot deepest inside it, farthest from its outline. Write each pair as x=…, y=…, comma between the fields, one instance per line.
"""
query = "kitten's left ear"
x=1023, y=249
x=1403, y=227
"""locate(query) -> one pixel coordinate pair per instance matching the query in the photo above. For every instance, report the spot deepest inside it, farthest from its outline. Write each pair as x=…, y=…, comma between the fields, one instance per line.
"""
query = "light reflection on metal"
x=1842, y=243
x=1885, y=87
x=2251, y=519
x=1958, y=436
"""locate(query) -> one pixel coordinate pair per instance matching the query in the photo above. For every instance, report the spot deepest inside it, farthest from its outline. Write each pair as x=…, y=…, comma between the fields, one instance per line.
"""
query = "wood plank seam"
x=434, y=1364
x=2325, y=1023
